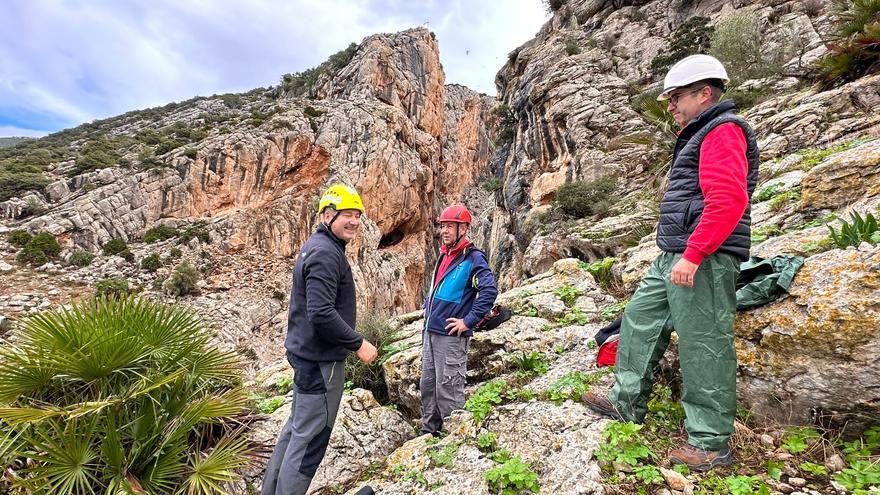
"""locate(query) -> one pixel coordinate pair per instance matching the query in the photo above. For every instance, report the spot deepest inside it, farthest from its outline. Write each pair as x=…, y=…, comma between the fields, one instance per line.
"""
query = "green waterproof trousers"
x=702, y=316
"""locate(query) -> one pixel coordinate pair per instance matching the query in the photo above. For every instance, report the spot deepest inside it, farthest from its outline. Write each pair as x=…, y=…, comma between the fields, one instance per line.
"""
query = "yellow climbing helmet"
x=341, y=197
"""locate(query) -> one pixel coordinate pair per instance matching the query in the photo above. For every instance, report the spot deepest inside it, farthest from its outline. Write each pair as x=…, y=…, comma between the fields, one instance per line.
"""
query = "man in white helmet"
x=704, y=233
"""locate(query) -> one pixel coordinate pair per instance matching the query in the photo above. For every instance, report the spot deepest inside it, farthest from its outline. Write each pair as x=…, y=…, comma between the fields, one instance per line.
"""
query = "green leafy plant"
x=814, y=469
x=862, y=229
x=781, y=199
x=483, y=400
x=581, y=199
x=500, y=456
x=120, y=396
x=271, y=404
x=746, y=485
x=798, y=439
x=859, y=475
x=568, y=294
x=512, y=478
x=301, y=83
x=648, y=475
x=767, y=192
x=443, y=457
x=571, y=47
x=623, y=444
x=573, y=385
x=761, y=234
x=502, y=122
x=614, y=310
x=774, y=469
x=487, y=442
x=81, y=258
x=601, y=271
x=45, y=243
x=531, y=364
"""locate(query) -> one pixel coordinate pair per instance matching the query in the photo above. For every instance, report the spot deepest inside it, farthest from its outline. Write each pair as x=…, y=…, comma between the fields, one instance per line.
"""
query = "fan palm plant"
x=120, y=396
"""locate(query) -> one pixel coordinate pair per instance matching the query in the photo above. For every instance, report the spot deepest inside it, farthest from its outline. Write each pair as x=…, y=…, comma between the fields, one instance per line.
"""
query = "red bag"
x=607, y=352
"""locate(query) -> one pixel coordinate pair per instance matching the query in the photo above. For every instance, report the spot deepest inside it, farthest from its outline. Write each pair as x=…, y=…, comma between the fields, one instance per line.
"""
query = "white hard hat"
x=690, y=70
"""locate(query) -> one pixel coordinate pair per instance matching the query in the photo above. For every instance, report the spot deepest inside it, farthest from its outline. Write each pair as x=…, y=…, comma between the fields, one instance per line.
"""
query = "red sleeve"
x=723, y=170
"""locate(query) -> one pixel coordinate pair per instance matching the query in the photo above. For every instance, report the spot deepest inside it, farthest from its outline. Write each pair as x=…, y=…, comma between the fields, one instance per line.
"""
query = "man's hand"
x=456, y=326
x=683, y=273
x=367, y=353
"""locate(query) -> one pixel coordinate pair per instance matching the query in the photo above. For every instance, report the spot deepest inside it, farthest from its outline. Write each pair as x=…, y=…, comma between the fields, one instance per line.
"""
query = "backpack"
x=493, y=318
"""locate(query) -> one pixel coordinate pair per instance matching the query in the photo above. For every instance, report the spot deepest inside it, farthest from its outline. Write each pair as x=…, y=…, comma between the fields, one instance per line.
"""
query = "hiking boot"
x=367, y=490
x=601, y=404
x=697, y=459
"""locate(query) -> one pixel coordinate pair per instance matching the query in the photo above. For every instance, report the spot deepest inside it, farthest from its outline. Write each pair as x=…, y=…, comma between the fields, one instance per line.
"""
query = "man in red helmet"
x=462, y=293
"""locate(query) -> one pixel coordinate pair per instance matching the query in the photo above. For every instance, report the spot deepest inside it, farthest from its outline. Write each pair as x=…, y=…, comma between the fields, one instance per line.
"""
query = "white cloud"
x=6, y=130
x=63, y=63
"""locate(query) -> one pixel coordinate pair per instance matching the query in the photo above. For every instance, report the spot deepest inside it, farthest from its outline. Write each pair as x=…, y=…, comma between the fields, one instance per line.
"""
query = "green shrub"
x=120, y=396
x=856, y=51
x=13, y=184
x=18, y=238
x=115, y=247
x=859, y=231
x=502, y=122
x=160, y=233
x=191, y=153
x=300, y=83
x=198, y=230
x=492, y=185
x=690, y=38
x=97, y=154
x=183, y=281
x=601, y=271
x=739, y=43
x=31, y=256
x=585, y=198
x=487, y=442
x=376, y=329
x=81, y=258
x=512, y=478
x=151, y=263
x=112, y=287
x=46, y=243
x=571, y=47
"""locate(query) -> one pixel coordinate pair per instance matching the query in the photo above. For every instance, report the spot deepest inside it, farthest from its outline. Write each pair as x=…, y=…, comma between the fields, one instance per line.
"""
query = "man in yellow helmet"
x=320, y=335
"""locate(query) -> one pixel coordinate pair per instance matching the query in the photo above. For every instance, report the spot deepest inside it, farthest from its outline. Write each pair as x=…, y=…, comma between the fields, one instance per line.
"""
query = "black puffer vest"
x=682, y=205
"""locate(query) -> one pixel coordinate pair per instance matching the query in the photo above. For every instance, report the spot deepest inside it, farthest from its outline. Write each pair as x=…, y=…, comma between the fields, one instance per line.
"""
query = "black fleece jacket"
x=322, y=315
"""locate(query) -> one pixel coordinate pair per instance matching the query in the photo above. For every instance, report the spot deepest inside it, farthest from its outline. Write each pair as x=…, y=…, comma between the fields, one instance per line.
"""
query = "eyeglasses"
x=673, y=99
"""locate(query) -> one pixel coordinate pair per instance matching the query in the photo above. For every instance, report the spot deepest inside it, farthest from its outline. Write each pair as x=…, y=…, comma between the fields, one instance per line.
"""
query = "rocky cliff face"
x=385, y=123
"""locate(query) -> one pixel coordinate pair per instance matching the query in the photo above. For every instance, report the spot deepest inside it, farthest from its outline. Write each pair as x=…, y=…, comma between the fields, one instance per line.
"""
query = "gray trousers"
x=444, y=368
x=303, y=441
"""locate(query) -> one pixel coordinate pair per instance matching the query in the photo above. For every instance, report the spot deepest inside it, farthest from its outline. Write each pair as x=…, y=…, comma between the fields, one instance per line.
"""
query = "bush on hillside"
x=120, y=395
x=159, y=233
x=81, y=258
x=739, y=43
x=585, y=198
x=112, y=287
x=375, y=329
x=300, y=83
x=690, y=38
x=183, y=281
x=151, y=263
x=856, y=49
x=19, y=237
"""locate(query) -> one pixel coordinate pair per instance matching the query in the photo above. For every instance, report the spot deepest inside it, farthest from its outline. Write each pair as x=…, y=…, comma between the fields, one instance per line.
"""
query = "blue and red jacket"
x=466, y=290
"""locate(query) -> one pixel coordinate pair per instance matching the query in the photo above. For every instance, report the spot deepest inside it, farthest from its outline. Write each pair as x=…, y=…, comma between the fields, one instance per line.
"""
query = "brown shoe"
x=698, y=459
x=601, y=404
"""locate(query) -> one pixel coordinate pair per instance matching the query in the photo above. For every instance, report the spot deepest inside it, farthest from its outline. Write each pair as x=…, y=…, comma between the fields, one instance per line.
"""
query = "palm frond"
x=208, y=473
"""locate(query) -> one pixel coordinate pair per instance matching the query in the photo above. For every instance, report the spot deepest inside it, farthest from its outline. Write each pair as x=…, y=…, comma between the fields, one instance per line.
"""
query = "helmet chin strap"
x=458, y=235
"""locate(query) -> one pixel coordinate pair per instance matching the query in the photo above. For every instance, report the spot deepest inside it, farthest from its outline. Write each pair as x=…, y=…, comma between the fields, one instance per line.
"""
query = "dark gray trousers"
x=317, y=393
x=444, y=368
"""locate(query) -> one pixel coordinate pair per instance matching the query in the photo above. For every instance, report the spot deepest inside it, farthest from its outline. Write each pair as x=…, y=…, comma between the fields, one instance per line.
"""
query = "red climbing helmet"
x=455, y=213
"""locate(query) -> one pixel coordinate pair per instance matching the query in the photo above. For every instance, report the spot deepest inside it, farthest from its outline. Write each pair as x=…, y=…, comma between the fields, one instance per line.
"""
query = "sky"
x=66, y=62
